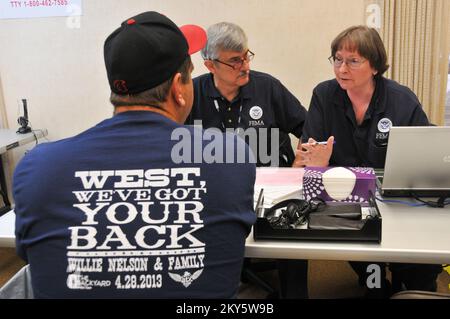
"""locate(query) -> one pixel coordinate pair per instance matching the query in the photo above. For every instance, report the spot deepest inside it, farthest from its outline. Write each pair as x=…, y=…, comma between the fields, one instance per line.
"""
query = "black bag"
x=337, y=216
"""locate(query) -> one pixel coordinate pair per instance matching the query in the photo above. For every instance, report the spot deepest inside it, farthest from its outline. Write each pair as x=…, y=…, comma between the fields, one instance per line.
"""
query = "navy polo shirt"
x=331, y=113
x=262, y=103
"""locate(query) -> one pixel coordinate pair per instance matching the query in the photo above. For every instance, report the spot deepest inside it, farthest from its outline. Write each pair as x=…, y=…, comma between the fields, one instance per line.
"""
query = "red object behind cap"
x=131, y=21
x=195, y=37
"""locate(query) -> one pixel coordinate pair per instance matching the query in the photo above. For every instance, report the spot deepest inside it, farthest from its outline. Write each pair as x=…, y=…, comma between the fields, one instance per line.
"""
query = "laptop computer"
x=417, y=162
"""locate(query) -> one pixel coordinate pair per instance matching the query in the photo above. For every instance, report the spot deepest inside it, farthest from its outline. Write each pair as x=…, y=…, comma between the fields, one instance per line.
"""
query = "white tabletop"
x=409, y=234
x=7, y=226
x=10, y=139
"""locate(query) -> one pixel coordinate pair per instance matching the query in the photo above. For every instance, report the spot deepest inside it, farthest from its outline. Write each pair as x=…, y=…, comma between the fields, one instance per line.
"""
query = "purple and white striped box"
x=339, y=184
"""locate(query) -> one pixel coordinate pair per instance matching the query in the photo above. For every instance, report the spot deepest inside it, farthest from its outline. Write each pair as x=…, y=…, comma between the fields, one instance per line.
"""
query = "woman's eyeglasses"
x=352, y=63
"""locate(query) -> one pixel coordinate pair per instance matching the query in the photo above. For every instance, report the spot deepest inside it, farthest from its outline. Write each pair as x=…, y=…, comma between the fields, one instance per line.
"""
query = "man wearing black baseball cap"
x=145, y=52
x=109, y=213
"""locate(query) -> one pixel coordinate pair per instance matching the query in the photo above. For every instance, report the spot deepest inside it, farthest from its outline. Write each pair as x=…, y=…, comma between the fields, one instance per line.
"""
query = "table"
x=409, y=234
x=10, y=139
x=7, y=237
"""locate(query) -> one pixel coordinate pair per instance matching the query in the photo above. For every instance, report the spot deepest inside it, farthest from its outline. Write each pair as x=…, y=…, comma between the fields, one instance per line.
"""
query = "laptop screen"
x=417, y=162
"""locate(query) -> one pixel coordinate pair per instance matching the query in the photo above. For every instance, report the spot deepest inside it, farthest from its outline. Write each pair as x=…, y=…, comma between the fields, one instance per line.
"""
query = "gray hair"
x=224, y=36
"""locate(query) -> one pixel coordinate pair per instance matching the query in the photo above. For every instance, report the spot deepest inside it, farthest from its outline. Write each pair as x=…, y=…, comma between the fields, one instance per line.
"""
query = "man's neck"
x=147, y=108
x=227, y=91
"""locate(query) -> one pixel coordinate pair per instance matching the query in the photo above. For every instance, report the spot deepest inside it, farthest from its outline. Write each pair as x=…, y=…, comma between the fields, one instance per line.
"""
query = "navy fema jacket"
x=331, y=113
x=264, y=103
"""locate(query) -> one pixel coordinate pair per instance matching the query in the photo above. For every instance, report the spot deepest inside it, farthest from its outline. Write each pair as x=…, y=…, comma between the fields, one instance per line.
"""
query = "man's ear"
x=177, y=90
x=210, y=66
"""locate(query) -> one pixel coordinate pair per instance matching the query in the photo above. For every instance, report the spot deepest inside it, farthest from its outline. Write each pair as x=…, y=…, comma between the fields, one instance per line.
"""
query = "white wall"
x=60, y=70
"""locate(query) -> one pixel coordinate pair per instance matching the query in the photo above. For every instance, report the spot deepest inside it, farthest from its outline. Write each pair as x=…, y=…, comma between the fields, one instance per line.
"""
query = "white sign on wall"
x=39, y=8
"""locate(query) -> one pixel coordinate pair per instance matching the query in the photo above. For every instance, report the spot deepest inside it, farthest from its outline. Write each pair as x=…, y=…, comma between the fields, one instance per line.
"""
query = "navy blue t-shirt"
x=331, y=113
x=110, y=214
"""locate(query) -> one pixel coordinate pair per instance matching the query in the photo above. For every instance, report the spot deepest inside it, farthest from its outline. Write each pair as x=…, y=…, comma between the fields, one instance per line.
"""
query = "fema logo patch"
x=256, y=112
x=384, y=125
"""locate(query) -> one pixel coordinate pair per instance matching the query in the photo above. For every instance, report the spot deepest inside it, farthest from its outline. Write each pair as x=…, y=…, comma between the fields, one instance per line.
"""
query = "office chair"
x=418, y=294
x=250, y=271
x=19, y=286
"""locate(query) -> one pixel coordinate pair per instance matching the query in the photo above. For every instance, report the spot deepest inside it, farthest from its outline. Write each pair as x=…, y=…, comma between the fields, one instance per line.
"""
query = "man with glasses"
x=358, y=108
x=233, y=97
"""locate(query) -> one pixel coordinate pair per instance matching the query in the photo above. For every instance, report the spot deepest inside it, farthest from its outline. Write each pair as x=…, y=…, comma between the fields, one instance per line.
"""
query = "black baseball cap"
x=146, y=50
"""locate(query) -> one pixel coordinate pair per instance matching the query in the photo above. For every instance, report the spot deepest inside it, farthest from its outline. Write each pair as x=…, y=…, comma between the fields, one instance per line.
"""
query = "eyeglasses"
x=352, y=63
x=237, y=62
